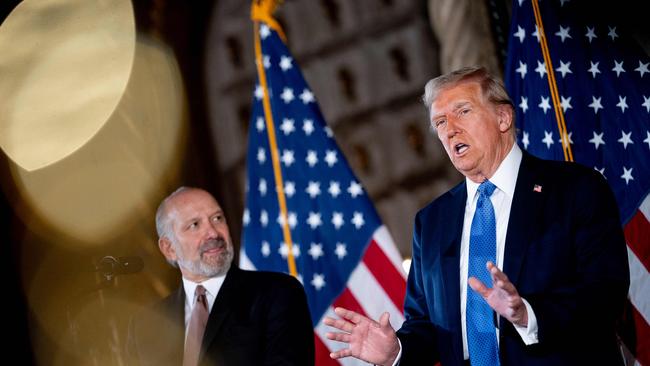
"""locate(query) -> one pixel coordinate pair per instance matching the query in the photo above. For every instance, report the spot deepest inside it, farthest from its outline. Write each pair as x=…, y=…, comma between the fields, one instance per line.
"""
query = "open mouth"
x=460, y=148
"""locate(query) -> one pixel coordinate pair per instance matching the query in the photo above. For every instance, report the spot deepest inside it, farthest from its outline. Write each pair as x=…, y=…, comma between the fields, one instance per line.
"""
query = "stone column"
x=463, y=31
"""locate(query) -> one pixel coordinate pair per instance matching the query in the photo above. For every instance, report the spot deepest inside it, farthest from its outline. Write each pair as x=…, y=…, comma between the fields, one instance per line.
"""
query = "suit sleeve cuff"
x=528, y=333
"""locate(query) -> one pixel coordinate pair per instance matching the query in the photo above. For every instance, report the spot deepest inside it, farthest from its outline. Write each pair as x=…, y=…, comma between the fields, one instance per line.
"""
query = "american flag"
x=603, y=83
x=343, y=254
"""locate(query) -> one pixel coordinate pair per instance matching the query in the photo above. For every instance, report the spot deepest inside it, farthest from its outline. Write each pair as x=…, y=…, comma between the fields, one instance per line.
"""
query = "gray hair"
x=163, y=227
x=491, y=87
x=162, y=214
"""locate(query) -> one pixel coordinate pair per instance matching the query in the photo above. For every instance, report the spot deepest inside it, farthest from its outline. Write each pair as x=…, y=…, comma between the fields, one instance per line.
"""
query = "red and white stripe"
x=377, y=285
x=637, y=235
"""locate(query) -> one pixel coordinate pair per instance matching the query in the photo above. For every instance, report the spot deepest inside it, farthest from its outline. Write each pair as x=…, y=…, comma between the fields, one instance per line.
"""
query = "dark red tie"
x=198, y=320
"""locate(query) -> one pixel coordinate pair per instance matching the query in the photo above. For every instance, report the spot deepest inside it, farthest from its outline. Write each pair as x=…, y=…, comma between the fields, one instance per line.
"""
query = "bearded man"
x=220, y=315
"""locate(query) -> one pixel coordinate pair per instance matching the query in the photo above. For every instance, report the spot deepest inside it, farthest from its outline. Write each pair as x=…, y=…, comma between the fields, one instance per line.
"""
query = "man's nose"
x=212, y=232
x=452, y=127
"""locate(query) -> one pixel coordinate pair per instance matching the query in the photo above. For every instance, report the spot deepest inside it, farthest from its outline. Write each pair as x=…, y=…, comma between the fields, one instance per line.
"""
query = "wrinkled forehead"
x=455, y=94
x=190, y=203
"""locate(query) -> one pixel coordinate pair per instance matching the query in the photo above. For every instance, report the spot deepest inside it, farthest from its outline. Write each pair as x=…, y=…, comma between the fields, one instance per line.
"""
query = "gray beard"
x=201, y=268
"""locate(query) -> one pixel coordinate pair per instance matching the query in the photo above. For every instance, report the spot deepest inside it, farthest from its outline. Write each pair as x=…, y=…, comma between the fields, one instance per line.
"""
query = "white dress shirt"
x=212, y=287
x=505, y=179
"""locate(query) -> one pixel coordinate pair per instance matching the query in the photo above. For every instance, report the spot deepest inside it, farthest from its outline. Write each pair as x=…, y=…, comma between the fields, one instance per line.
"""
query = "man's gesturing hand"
x=502, y=297
x=367, y=340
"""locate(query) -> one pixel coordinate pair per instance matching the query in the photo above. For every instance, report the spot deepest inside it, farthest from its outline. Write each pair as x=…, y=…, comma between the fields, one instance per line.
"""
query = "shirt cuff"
x=399, y=354
x=528, y=333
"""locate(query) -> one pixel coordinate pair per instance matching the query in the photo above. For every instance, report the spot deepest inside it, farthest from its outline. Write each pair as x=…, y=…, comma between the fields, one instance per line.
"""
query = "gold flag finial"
x=264, y=7
x=262, y=11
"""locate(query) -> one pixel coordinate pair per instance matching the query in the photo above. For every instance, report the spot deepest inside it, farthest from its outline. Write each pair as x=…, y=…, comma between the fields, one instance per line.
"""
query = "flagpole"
x=552, y=84
x=261, y=12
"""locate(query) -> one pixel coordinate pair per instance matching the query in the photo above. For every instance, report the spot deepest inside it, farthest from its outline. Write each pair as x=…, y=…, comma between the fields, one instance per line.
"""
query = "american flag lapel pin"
x=537, y=188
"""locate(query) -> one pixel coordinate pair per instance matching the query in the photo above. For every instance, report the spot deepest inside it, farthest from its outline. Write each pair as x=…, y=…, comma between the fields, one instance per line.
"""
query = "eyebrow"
x=455, y=107
x=196, y=218
x=190, y=220
x=460, y=104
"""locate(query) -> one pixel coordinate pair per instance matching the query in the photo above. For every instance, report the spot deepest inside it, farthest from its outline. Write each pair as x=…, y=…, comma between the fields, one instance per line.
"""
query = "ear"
x=505, y=115
x=166, y=248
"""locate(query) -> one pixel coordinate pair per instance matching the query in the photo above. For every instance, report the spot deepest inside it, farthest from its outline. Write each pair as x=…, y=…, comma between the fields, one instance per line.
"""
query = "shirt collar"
x=504, y=178
x=211, y=286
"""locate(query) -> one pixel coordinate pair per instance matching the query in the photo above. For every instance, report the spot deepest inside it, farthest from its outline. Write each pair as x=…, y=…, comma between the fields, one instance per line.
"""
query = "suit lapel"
x=221, y=308
x=450, y=246
x=450, y=259
x=525, y=214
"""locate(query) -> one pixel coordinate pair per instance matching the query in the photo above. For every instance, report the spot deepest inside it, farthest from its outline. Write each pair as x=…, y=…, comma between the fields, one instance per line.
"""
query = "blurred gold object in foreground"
x=65, y=65
x=93, y=118
x=110, y=182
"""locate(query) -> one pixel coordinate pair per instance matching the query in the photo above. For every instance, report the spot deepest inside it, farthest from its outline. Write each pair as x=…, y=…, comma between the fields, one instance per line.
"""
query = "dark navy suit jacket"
x=564, y=251
x=258, y=318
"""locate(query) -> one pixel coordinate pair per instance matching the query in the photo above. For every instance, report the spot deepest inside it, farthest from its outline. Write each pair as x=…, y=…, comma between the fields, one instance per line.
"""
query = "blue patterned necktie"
x=481, y=334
